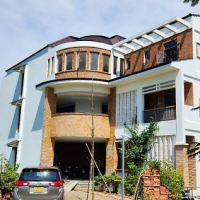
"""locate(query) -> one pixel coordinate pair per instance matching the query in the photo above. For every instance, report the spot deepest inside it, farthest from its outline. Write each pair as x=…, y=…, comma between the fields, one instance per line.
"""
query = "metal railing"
x=160, y=114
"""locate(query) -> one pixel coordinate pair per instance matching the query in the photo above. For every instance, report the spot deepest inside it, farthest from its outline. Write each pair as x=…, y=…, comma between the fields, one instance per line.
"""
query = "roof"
x=191, y=15
x=94, y=38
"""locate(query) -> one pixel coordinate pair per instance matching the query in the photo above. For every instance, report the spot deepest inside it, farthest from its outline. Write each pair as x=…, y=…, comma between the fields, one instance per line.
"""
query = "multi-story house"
x=51, y=100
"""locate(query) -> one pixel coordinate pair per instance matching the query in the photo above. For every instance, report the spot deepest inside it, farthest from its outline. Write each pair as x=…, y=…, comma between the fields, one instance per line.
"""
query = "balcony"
x=160, y=114
x=79, y=125
x=83, y=74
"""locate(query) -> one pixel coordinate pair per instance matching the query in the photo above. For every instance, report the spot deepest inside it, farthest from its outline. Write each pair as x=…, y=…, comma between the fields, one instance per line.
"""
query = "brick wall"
x=152, y=187
x=185, y=49
x=83, y=74
x=47, y=152
x=182, y=162
x=191, y=164
x=111, y=148
x=79, y=125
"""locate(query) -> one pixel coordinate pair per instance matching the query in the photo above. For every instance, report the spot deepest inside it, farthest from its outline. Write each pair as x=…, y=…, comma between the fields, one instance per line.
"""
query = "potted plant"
x=8, y=176
x=98, y=183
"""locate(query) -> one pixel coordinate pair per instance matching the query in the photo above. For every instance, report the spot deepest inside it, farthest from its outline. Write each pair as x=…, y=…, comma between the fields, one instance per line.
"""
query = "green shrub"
x=10, y=175
x=132, y=179
x=173, y=180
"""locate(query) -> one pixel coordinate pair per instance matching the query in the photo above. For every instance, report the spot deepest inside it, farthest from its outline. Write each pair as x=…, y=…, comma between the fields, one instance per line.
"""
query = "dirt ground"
x=82, y=195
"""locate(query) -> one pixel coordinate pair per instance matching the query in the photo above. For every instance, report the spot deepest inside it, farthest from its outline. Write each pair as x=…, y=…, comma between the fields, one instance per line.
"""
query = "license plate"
x=38, y=189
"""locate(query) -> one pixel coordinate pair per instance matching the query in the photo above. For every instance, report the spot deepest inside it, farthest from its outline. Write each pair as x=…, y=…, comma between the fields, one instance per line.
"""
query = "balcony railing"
x=160, y=114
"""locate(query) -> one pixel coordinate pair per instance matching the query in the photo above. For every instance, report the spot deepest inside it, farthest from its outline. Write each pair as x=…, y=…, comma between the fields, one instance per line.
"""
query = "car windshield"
x=39, y=175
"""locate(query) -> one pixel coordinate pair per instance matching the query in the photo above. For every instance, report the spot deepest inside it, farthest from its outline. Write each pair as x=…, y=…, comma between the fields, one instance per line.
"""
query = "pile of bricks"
x=152, y=187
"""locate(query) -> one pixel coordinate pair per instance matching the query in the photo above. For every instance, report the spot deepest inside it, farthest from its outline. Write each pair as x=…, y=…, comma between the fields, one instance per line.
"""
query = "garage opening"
x=73, y=159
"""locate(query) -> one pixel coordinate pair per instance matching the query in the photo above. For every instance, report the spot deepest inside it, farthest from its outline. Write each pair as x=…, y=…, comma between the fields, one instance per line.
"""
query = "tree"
x=193, y=2
x=195, y=150
x=136, y=147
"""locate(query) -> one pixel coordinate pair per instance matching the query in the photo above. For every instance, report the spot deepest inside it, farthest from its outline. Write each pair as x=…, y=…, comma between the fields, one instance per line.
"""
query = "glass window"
x=48, y=67
x=128, y=63
x=198, y=50
x=94, y=61
x=146, y=57
x=106, y=63
x=69, y=61
x=59, y=63
x=171, y=51
x=82, y=61
x=121, y=66
x=115, y=65
x=52, y=65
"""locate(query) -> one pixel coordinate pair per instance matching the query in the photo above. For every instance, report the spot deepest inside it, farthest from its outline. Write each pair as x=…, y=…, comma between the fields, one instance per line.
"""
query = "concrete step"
x=81, y=184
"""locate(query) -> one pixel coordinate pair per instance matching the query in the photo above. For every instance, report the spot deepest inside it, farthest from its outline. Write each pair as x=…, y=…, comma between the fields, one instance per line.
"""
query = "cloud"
x=27, y=26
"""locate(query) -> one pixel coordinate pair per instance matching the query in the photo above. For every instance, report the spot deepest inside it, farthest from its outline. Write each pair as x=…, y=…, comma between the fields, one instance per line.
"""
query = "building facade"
x=52, y=100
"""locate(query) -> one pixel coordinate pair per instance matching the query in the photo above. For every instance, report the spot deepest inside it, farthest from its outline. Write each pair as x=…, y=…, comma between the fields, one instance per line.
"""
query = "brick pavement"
x=82, y=195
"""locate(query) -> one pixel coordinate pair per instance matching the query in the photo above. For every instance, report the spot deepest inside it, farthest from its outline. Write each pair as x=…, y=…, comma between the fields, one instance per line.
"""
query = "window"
x=19, y=118
x=59, y=63
x=66, y=108
x=121, y=67
x=22, y=84
x=94, y=61
x=52, y=65
x=198, y=50
x=82, y=61
x=69, y=61
x=48, y=67
x=128, y=63
x=171, y=52
x=146, y=57
x=106, y=63
x=115, y=65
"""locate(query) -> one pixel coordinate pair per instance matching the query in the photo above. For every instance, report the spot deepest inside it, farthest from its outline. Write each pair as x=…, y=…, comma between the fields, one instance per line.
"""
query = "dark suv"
x=40, y=182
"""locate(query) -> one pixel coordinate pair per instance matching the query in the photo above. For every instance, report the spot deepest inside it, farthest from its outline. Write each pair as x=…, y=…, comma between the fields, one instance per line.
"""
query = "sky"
x=29, y=25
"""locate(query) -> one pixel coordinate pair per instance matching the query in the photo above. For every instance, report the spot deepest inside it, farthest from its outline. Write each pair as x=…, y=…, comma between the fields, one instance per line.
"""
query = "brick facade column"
x=47, y=150
x=182, y=162
x=192, y=164
x=111, y=149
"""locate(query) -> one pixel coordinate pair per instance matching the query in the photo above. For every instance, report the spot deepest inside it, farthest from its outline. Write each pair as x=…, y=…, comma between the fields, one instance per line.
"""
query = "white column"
x=180, y=115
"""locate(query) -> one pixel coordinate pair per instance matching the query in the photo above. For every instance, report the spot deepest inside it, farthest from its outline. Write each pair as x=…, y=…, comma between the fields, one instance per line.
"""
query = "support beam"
x=129, y=46
x=183, y=22
x=120, y=50
x=138, y=42
x=147, y=37
x=171, y=28
x=161, y=34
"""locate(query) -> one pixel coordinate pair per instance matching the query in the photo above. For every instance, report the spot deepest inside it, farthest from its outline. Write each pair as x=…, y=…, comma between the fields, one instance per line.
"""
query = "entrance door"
x=73, y=159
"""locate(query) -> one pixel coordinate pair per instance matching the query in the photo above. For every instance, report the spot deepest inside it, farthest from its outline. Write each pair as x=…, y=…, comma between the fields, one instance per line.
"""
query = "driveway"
x=82, y=195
